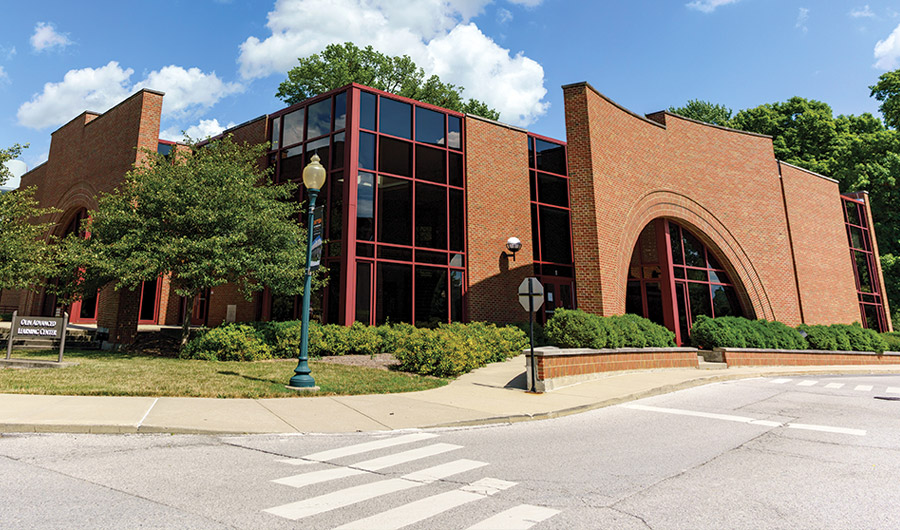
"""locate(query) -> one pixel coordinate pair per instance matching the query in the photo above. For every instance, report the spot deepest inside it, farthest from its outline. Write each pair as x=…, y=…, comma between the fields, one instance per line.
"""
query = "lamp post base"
x=302, y=388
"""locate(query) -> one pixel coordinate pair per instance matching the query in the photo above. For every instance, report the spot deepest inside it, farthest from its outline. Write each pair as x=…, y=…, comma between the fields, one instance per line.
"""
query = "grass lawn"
x=101, y=373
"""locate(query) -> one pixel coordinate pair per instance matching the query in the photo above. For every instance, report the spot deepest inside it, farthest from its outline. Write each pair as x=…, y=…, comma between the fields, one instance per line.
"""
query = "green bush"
x=891, y=341
x=540, y=336
x=574, y=328
x=453, y=349
x=844, y=337
x=738, y=332
x=232, y=342
x=393, y=334
x=363, y=339
x=577, y=329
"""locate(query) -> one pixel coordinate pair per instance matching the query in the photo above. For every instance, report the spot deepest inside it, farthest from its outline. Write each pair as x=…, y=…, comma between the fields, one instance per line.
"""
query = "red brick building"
x=658, y=215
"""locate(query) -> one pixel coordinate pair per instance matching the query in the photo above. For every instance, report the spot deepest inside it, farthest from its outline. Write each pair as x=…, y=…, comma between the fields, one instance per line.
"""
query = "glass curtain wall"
x=410, y=213
x=316, y=126
x=551, y=227
x=868, y=290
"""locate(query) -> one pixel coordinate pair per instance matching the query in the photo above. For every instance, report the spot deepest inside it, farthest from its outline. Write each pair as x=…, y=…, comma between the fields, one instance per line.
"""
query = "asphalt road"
x=820, y=452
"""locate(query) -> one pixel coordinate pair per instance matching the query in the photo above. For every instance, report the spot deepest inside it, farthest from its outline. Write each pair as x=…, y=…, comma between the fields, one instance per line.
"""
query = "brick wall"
x=723, y=185
x=497, y=208
x=742, y=357
x=824, y=266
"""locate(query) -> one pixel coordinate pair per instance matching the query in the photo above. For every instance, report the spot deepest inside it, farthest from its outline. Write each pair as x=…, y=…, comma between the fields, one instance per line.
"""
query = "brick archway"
x=711, y=231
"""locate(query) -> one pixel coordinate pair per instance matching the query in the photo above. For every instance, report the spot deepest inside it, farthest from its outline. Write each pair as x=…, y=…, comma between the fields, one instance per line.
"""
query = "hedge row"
x=450, y=349
x=738, y=332
x=570, y=328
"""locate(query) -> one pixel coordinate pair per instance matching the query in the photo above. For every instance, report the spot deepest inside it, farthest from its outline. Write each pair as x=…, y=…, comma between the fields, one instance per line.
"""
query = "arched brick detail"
x=78, y=197
x=711, y=231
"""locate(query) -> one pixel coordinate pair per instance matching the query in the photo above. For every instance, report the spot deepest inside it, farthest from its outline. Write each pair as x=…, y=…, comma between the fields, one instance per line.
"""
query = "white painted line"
x=317, y=477
x=893, y=390
x=406, y=456
x=742, y=419
x=422, y=509
x=147, y=413
x=834, y=385
x=349, y=496
x=522, y=517
x=807, y=382
x=863, y=388
x=825, y=428
x=334, y=454
x=780, y=381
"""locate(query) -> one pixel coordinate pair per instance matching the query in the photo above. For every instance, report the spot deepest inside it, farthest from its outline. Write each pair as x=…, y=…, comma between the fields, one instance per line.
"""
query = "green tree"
x=26, y=255
x=704, y=111
x=341, y=64
x=205, y=216
x=887, y=91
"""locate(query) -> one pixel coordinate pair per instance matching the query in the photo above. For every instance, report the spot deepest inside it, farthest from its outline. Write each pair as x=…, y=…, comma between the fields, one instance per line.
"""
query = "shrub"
x=844, y=337
x=891, y=340
x=363, y=339
x=540, y=336
x=573, y=328
x=739, y=332
x=453, y=349
x=577, y=329
x=232, y=342
x=393, y=334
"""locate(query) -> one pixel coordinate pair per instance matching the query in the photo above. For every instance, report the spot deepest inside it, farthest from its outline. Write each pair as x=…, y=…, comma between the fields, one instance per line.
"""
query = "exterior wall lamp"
x=313, y=178
x=513, y=245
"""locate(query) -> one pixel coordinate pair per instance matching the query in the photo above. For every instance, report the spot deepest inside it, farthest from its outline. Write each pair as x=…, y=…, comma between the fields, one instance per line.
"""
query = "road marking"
x=348, y=496
x=426, y=508
x=743, y=419
x=406, y=456
x=521, y=517
x=334, y=454
x=807, y=383
x=317, y=477
x=834, y=385
x=863, y=388
x=780, y=381
x=825, y=428
x=893, y=390
x=146, y=413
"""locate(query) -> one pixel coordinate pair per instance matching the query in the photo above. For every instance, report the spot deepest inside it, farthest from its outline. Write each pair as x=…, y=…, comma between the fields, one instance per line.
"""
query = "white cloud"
x=45, y=36
x=199, y=131
x=863, y=12
x=708, y=6
x=436, y=34
x=887, y=51
x=802, y=17
x=527, y=3
x=4, y=77
x=16, y=168
x=503, y=16
x=189, y=92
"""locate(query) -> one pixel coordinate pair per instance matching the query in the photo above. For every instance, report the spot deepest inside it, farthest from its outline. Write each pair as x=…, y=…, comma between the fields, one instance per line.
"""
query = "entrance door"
x=559, y=293
x=200, y=311
x=84, y=311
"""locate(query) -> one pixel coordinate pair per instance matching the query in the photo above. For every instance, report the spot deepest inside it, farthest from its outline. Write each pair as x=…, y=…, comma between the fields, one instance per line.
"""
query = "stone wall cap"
x=553, y=351
x=814, y=352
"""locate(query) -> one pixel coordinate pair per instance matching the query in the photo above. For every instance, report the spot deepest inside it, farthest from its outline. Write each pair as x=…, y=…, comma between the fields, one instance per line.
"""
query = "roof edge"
x=495, y=122
x=713, y=125
x=613, y=103
x=813, y=173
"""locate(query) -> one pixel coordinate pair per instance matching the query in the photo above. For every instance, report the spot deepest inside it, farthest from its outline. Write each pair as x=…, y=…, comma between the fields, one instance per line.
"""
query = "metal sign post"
x=531, y=296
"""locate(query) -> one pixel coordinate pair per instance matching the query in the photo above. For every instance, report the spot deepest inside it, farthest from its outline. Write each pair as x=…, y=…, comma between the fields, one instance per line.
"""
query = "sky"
x=220, y=61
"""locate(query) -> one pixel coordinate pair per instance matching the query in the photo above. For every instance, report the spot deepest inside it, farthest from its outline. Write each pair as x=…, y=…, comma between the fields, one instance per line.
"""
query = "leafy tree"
x=704, y=111
x=205, y=216
x=26, y=258
x=341, y=64
x=887, y=91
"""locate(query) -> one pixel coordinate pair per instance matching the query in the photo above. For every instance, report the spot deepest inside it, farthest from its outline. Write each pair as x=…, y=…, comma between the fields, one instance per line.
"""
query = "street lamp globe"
x=314, y=174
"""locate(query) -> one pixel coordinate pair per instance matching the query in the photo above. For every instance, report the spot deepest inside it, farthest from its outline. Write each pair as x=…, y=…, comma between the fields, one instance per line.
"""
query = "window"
x=871, y=307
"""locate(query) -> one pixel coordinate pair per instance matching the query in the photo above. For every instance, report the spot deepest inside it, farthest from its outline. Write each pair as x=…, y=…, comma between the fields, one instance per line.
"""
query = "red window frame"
x=871, y=299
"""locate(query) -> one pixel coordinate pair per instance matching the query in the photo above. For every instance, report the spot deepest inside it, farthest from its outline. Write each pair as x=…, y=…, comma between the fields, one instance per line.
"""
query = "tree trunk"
x=186, y=321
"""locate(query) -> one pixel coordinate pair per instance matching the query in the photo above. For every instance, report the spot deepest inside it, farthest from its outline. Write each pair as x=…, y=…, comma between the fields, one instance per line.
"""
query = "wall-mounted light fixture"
x=513, y=245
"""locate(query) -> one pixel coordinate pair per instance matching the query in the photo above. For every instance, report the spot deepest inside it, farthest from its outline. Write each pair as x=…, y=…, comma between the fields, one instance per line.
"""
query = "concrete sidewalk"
x=493, y=394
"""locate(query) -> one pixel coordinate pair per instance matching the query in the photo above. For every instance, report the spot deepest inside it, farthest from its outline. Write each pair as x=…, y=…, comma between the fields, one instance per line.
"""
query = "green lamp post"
x=313, y=178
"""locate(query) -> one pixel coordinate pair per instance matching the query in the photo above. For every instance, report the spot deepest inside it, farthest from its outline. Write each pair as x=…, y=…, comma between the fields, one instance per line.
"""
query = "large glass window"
x=871, y=307
x=417, y=248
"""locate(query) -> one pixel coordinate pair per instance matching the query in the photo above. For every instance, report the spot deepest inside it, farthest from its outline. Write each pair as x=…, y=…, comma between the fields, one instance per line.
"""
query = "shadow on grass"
x=251, y=378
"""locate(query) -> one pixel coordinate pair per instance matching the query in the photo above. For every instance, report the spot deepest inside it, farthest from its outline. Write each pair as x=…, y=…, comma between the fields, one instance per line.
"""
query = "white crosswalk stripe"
x=334, y=454
x=807, y=382
x=893, y=390
x=780, y=381
x=521, y=517
x=355, y=494
x=864, y=388
x=834, y=385
x=426, y=508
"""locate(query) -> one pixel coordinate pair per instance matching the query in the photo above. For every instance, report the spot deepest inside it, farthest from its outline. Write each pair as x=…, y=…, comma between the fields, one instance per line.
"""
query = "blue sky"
x=220, y=61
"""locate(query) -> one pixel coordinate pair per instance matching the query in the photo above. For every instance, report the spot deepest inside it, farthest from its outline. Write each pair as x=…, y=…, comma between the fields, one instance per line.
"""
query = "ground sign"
x=37, y=328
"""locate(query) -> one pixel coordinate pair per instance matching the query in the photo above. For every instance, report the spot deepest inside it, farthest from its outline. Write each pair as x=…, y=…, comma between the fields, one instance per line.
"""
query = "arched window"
x=673, y=278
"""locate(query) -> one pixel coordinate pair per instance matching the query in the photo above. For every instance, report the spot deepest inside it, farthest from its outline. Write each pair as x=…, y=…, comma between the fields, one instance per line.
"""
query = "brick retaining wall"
x=759, y=357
